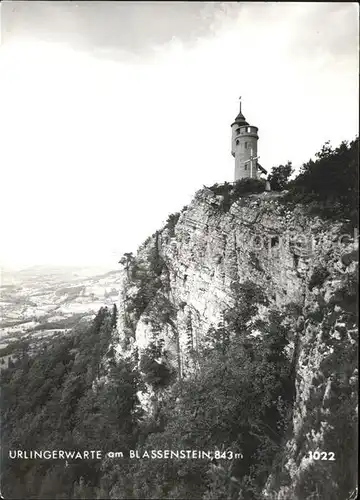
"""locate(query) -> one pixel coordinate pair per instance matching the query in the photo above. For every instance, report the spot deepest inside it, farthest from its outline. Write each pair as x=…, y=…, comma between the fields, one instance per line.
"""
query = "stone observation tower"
x=244, y=148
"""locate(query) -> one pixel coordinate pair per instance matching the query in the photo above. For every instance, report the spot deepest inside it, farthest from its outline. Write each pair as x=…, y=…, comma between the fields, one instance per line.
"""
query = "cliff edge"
x=256, y=257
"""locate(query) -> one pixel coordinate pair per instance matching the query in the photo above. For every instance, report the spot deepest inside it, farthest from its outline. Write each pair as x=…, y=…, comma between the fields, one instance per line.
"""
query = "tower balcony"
x=246, y=131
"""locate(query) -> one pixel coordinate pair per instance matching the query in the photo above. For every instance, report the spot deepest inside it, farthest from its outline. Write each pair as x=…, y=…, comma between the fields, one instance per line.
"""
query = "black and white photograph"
x=179, y=250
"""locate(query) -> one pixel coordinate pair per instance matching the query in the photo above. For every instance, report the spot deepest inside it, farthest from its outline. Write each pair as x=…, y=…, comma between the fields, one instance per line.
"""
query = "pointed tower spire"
x=240, y=119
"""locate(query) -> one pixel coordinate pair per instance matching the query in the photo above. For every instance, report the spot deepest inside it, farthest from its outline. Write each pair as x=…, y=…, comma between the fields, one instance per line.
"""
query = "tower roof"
x=262, y=169
x=240, y=119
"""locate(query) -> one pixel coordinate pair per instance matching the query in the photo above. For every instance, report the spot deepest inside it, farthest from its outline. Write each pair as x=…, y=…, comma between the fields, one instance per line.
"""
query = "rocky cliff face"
x=186, y=277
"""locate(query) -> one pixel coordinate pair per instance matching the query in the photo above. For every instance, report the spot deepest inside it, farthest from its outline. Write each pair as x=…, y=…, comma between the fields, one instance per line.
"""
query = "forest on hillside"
x=57, y=400
x=240, y=400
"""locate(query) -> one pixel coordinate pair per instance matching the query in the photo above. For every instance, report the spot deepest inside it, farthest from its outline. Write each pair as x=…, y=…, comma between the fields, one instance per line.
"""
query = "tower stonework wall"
x=245, y=145
x=244, y=148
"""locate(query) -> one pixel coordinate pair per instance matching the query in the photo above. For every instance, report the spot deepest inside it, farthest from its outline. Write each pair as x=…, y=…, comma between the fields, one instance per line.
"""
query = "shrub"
x=318, y=277
x=350, y=257
x=171, y=222
x=255, y=261
x=232, y=192
x=157, y=374
x=329, y=185
x=347, y=296
x=279, y=176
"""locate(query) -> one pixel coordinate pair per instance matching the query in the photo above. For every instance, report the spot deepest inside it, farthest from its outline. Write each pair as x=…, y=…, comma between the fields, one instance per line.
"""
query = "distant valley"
x=40, y=302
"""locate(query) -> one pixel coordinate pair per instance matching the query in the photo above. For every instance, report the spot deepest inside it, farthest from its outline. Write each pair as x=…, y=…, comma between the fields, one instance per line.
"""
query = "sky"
x=114, y=114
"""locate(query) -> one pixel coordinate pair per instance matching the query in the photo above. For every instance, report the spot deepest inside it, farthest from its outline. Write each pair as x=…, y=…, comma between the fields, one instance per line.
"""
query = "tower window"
x=249, y=129
x=237, y=142
x=237, y=131
x=245, y=167
x=245, y=145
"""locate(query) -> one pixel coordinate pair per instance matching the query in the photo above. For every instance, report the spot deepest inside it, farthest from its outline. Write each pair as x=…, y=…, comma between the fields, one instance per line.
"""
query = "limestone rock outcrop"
x=184, y=279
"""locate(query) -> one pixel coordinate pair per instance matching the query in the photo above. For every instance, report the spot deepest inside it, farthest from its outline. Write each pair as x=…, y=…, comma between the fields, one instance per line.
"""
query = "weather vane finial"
x=240, y=103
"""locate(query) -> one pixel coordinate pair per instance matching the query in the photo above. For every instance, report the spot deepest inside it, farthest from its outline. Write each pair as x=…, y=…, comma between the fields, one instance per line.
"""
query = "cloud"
x=106, y=27
x=134, y=30
x=326, y=29
x=104, y=137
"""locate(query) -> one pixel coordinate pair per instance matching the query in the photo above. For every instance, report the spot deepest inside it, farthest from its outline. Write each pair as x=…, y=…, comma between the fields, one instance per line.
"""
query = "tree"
x=49, y=402
x=171, y=222
x=279, y=176
x=114, y=316
x=127, y=260
x=328, y=185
